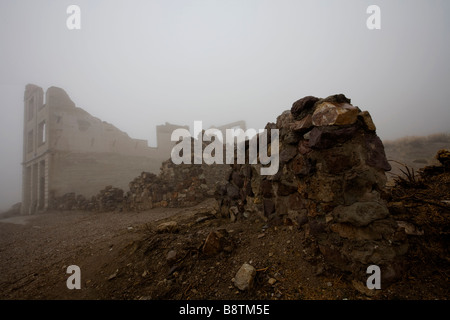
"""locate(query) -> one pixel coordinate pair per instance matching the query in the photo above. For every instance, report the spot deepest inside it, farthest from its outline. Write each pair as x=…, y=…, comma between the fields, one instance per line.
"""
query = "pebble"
x=113, y=275
x=243, y=279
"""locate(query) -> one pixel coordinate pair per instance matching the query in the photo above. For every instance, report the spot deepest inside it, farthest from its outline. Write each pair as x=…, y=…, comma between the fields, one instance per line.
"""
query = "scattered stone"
x=409, y=228
x=233, y=212
x=215, y=242
x=244, y=278
x=171, y=257
x=272, y=281
x=112, y=276
x=363, y=289
x=204, y=218
x=167, y=227
x=443, y=156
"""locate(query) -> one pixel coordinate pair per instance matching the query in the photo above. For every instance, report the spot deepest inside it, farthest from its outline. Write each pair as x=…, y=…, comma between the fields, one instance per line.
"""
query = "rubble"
x=167, y=227
x=109, y=199
x=171, y=257
x=216, y=242
x=180, y=185
x=420, y=206
x=244, y=277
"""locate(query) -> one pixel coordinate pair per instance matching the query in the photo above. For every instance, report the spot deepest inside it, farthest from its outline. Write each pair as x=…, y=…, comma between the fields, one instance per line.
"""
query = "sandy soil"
x=121, y=256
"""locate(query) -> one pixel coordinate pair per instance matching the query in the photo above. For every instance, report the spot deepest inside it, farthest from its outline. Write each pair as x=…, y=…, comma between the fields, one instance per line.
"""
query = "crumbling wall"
x=181, y=185
x=85, y=173
x=330, y=184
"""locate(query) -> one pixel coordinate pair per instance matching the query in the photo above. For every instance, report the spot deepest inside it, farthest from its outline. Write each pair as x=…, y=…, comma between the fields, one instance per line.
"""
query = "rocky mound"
x=330, y=185
x=420, y=202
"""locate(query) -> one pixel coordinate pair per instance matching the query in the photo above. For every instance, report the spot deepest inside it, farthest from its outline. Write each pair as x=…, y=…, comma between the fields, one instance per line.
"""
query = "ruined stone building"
x=67, y=150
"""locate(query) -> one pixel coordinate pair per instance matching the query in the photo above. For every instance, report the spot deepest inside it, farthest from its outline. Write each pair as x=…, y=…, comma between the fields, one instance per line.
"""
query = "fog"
x=137, y=64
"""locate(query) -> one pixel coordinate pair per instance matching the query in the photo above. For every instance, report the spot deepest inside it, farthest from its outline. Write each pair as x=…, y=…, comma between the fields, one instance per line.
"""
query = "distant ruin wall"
x=175, y=186
x=87, y=173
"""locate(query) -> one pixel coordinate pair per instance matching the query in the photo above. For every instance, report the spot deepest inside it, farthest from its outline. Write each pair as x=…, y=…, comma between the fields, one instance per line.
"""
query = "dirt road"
x=36, y=250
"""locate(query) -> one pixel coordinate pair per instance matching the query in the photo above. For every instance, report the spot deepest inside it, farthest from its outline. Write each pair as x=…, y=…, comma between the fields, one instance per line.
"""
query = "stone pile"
x=71, y=201
x=180, y=185
x=109, y=199
x=330, y=184
x=143, y=192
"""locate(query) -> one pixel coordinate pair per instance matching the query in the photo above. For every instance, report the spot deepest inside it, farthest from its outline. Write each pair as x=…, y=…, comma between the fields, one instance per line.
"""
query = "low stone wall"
x=181, y=185
x=330, y=184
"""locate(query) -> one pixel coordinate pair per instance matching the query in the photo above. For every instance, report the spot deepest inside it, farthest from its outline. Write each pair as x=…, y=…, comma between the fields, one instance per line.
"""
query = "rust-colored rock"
x=367, y=120
x=216, y=242
x=329, y=114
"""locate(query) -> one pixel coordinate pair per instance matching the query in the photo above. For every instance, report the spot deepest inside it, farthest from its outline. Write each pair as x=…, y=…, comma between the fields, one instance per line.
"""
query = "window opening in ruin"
x=30, y=108
x=42, y=133
x=41, y=201
x=30, y=144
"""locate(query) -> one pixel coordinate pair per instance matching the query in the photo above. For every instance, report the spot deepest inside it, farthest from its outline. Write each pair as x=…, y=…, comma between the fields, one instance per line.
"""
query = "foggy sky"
x=137, y=64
